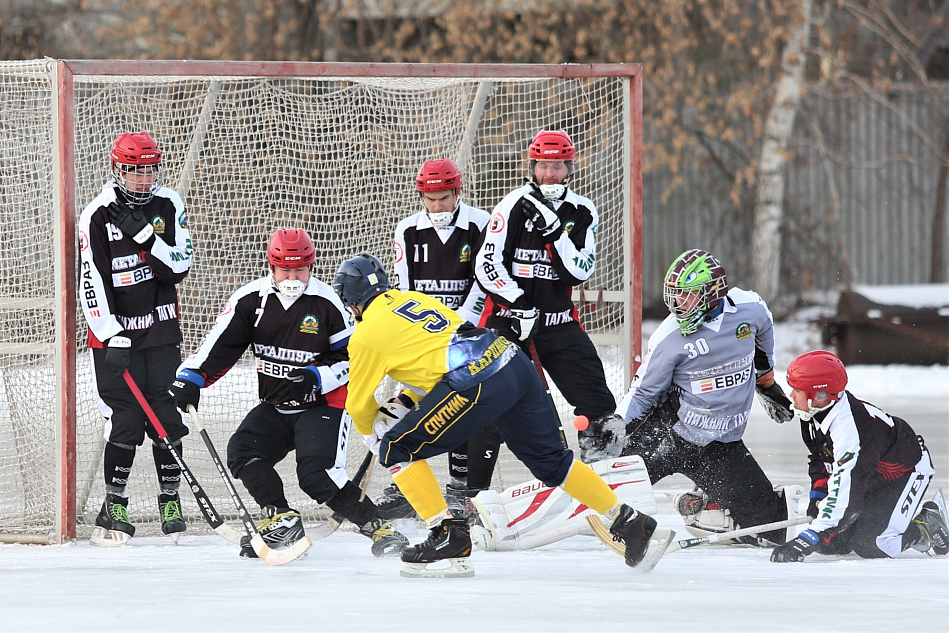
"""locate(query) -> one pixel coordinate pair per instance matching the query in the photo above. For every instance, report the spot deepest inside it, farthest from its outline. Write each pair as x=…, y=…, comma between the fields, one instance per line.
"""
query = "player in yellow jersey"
x=462, y=378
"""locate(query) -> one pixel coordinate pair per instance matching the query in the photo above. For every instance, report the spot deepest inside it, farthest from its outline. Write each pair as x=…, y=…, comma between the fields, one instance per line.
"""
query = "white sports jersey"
x=713, y=370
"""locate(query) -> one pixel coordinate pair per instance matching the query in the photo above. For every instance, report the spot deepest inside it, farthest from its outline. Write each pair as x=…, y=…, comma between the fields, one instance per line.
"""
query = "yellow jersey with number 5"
x=405, y=335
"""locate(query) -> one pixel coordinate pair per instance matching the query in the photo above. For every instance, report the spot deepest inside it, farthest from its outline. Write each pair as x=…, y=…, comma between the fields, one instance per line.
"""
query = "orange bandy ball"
x=581, y=422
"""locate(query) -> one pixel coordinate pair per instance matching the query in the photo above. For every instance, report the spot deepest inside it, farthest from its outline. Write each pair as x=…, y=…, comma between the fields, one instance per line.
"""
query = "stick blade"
x=227, y=532
x=280, y=556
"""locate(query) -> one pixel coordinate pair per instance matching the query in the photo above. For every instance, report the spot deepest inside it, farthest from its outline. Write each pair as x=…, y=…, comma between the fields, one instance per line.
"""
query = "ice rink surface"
x=574, y=585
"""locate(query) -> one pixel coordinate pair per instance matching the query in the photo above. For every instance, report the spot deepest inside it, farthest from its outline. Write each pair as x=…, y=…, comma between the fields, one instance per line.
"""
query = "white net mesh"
x=335, y=156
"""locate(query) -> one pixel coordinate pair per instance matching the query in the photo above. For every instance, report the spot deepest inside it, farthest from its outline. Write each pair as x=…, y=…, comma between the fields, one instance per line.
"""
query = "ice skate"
x=169, y=509
x=386, y=541
x=448, y=543
x=280, y=528
x=113, y=528
x=633, y=529
x=393, y=505
x=934, y=534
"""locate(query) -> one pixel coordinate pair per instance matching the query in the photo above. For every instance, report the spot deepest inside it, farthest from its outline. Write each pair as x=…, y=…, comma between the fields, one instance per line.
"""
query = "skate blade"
x=108, y=538
x=174, y=536
x=658, y=544
x=457, y=568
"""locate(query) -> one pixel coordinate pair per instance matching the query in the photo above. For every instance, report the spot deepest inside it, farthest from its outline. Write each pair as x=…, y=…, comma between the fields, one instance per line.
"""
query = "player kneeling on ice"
x=471, y=377
x=689, y=403
x=298, y=331
x=869, y=472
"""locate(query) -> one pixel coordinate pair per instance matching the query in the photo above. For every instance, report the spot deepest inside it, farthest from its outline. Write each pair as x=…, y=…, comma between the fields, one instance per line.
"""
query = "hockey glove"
x=118, y=353
x=305, y=383
x=132, y=222
x=796, y=549
x=186, y=389
x=604, y=438
x=525, y=320
x=542, y=216
x=388, y=416
x=775, y=402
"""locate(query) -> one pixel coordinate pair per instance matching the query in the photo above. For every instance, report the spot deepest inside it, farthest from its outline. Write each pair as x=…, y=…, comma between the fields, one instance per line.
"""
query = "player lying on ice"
x=471, y=377
x=869, y=472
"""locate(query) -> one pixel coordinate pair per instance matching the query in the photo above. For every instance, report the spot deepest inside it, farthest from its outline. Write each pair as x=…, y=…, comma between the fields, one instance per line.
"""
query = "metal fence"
x=860, y=203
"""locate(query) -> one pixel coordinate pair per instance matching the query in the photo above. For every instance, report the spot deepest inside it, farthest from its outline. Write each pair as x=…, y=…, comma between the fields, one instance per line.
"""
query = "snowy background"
x=574, y=585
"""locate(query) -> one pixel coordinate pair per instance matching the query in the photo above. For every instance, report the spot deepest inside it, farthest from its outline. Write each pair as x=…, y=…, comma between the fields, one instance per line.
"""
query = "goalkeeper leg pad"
x=531, y=514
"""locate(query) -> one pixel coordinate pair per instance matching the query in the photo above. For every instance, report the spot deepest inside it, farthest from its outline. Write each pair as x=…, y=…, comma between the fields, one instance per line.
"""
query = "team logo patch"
x=310, y=324
x=183, y=221
x=398, y=252
x=158, y=223
x=464, y=255
x=846, y=457
x=568, y=226
x=497, y=223
x=743, y=331
x=83, y=241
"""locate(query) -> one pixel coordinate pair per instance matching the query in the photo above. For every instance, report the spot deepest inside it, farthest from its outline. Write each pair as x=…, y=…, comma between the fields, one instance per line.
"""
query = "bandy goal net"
x=252, y=147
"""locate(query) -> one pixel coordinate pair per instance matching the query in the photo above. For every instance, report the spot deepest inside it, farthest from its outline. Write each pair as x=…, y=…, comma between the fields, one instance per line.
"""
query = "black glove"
x=816, y=496
x=186, y=389
x=775, y=402
x=305, y=383
x=525, y=319
x=796, y=549
x=542, y=215
x=118, y=353
x=132, y=222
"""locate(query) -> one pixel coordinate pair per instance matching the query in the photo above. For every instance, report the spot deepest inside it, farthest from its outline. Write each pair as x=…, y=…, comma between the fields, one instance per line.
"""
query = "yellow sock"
x=417, y=482
x=584, y=485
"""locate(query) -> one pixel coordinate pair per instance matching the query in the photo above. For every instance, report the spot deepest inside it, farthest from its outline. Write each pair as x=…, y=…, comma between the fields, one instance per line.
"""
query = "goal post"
x=254, y=146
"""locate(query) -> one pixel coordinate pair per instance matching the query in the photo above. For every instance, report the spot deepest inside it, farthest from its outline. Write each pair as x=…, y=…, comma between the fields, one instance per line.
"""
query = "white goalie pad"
x=532, y=515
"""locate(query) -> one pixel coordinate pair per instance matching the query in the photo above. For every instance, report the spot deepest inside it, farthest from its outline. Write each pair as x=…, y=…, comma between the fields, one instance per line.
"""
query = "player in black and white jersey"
x=435, y=254
x=134, y=247
x=539, y=244
x=297, y=329
x=869, y=471
x=688, y=405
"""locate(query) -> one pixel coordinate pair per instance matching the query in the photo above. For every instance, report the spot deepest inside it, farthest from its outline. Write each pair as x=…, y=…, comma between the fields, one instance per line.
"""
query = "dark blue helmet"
x=359, y=279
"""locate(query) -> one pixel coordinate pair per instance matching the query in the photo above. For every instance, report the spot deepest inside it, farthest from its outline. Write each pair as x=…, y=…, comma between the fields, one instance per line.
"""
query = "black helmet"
x=359, y=279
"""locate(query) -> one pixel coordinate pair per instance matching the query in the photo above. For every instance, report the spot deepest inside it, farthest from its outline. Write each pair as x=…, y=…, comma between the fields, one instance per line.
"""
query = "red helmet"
x=552, y=145
x=290, y=248
x=138, y=152
x=818, y=371
x=438, y=175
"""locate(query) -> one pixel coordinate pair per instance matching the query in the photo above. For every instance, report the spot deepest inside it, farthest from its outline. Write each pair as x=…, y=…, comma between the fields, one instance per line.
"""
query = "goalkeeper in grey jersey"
x=689, y=402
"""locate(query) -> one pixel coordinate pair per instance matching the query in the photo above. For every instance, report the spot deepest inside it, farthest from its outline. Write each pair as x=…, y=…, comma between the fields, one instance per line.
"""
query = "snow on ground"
x=575, y=585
